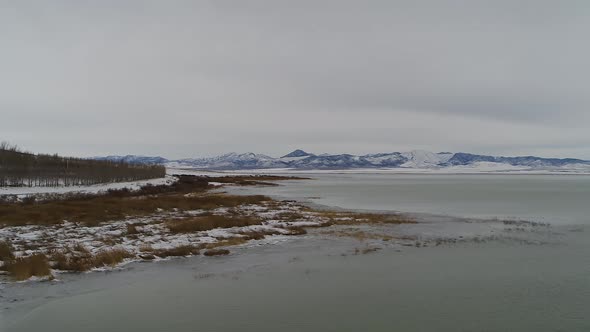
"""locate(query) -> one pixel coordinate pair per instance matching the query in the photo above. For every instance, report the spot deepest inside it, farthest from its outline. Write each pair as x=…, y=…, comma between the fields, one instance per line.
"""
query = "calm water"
x=556, y=199
x=314, y=283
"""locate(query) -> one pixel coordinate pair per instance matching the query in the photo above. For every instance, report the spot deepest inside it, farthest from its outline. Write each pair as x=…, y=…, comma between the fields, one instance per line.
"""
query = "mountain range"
x=302, y=160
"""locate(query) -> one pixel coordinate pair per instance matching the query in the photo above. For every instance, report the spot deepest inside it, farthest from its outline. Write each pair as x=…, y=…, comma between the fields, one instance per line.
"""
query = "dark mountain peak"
x=297, y=153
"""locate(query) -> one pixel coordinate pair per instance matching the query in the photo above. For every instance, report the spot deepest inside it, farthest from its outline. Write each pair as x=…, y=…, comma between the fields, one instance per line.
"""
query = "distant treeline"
x=21, y=169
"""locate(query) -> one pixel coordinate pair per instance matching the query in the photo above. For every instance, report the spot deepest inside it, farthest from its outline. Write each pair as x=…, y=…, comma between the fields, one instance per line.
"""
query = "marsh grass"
x=93, y=209
x=108, y=240
x=99, y=209
x=188, y=194
x=352, y=218
x=290, y=216
x=250, y=180
x=22, y=268
x=296, y=230
x=185, y=250
x=111, y=257
x=82, y=260
x=67, y=261
x=209, y=222
x=216, y=252
x=189, y=250
x=258, y=234
x=6, y=253
x=131, y=229
x=225, y=242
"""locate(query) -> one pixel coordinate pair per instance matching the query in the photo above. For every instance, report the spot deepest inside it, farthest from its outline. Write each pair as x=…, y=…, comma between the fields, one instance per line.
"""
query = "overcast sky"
x=200, y=78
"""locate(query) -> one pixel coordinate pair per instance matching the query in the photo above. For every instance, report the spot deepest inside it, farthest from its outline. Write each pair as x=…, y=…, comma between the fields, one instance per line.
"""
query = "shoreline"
x=369, y=171
x=74, y=247
x=249, y=262
x=444, y=234
x=209, y=223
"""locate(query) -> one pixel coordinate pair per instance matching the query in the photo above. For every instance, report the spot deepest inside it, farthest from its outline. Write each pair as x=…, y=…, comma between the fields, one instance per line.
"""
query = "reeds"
x=6, y=253
x=93, y=211
x=209, y=222
x=184, y=250
x=216, y=252
x=80, y=259
x=22, y=268
x=258, y=234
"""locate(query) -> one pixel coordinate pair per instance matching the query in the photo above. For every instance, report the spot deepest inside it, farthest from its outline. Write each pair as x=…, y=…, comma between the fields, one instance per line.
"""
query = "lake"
x=517, y=281
x=555, y=199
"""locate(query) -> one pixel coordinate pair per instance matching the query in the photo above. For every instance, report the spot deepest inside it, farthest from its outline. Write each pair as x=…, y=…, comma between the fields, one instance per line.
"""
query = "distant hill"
x=417, y=159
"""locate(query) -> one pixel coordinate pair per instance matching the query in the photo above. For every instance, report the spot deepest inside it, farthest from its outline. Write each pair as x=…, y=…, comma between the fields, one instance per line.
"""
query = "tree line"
x=22, y=169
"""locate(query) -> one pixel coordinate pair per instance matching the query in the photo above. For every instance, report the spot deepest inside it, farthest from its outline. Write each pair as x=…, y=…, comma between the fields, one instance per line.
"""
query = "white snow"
x=414, y=161
x=475, y=168
x=425, y=159
x=153, y=232
x=290, y=159
x=136, y=185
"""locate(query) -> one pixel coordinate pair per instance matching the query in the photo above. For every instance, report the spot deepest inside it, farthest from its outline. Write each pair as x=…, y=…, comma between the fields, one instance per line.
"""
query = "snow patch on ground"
x=152, y=232
x=136, y=185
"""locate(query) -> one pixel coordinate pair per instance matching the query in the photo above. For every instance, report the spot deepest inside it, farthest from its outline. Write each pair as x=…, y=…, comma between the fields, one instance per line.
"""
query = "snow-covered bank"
x=76, y=246
x=184, y=219
x=135, y=185
x=149, y=231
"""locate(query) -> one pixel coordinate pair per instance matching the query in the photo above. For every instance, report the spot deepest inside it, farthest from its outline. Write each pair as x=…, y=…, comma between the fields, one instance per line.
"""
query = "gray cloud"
x=188, y=78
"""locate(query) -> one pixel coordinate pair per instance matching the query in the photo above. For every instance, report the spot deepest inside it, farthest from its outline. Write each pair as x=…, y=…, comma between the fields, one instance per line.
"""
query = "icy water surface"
x=527, y=278
x=555, y=199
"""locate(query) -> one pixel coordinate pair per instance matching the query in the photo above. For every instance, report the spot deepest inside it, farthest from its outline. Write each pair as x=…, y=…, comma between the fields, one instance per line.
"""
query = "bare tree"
x=21, y=169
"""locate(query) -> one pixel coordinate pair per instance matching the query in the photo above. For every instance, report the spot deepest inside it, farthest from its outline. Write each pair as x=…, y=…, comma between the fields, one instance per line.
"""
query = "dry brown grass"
x=108, y=240
x=216, y=252
x=351, y=218
x=208, y=222
x=79, y=247
x=185, y=250
x=297, y=230
x=117, y=204
x=99, y=209
x=93, y=209
x=146, y=248
x=250, y=180
x=111, y=257
x=226, y=242
x=132, y=229
x=23, y=268
x=290, y=216
x=6, y=253
x=258, y=234
x=82, y=260
x=66, y=260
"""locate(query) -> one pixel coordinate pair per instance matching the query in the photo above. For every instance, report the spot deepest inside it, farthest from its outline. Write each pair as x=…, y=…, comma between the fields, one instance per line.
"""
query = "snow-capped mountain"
x=417, y=159
x=425, y=159
x=234, y=161
x=467, y=158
